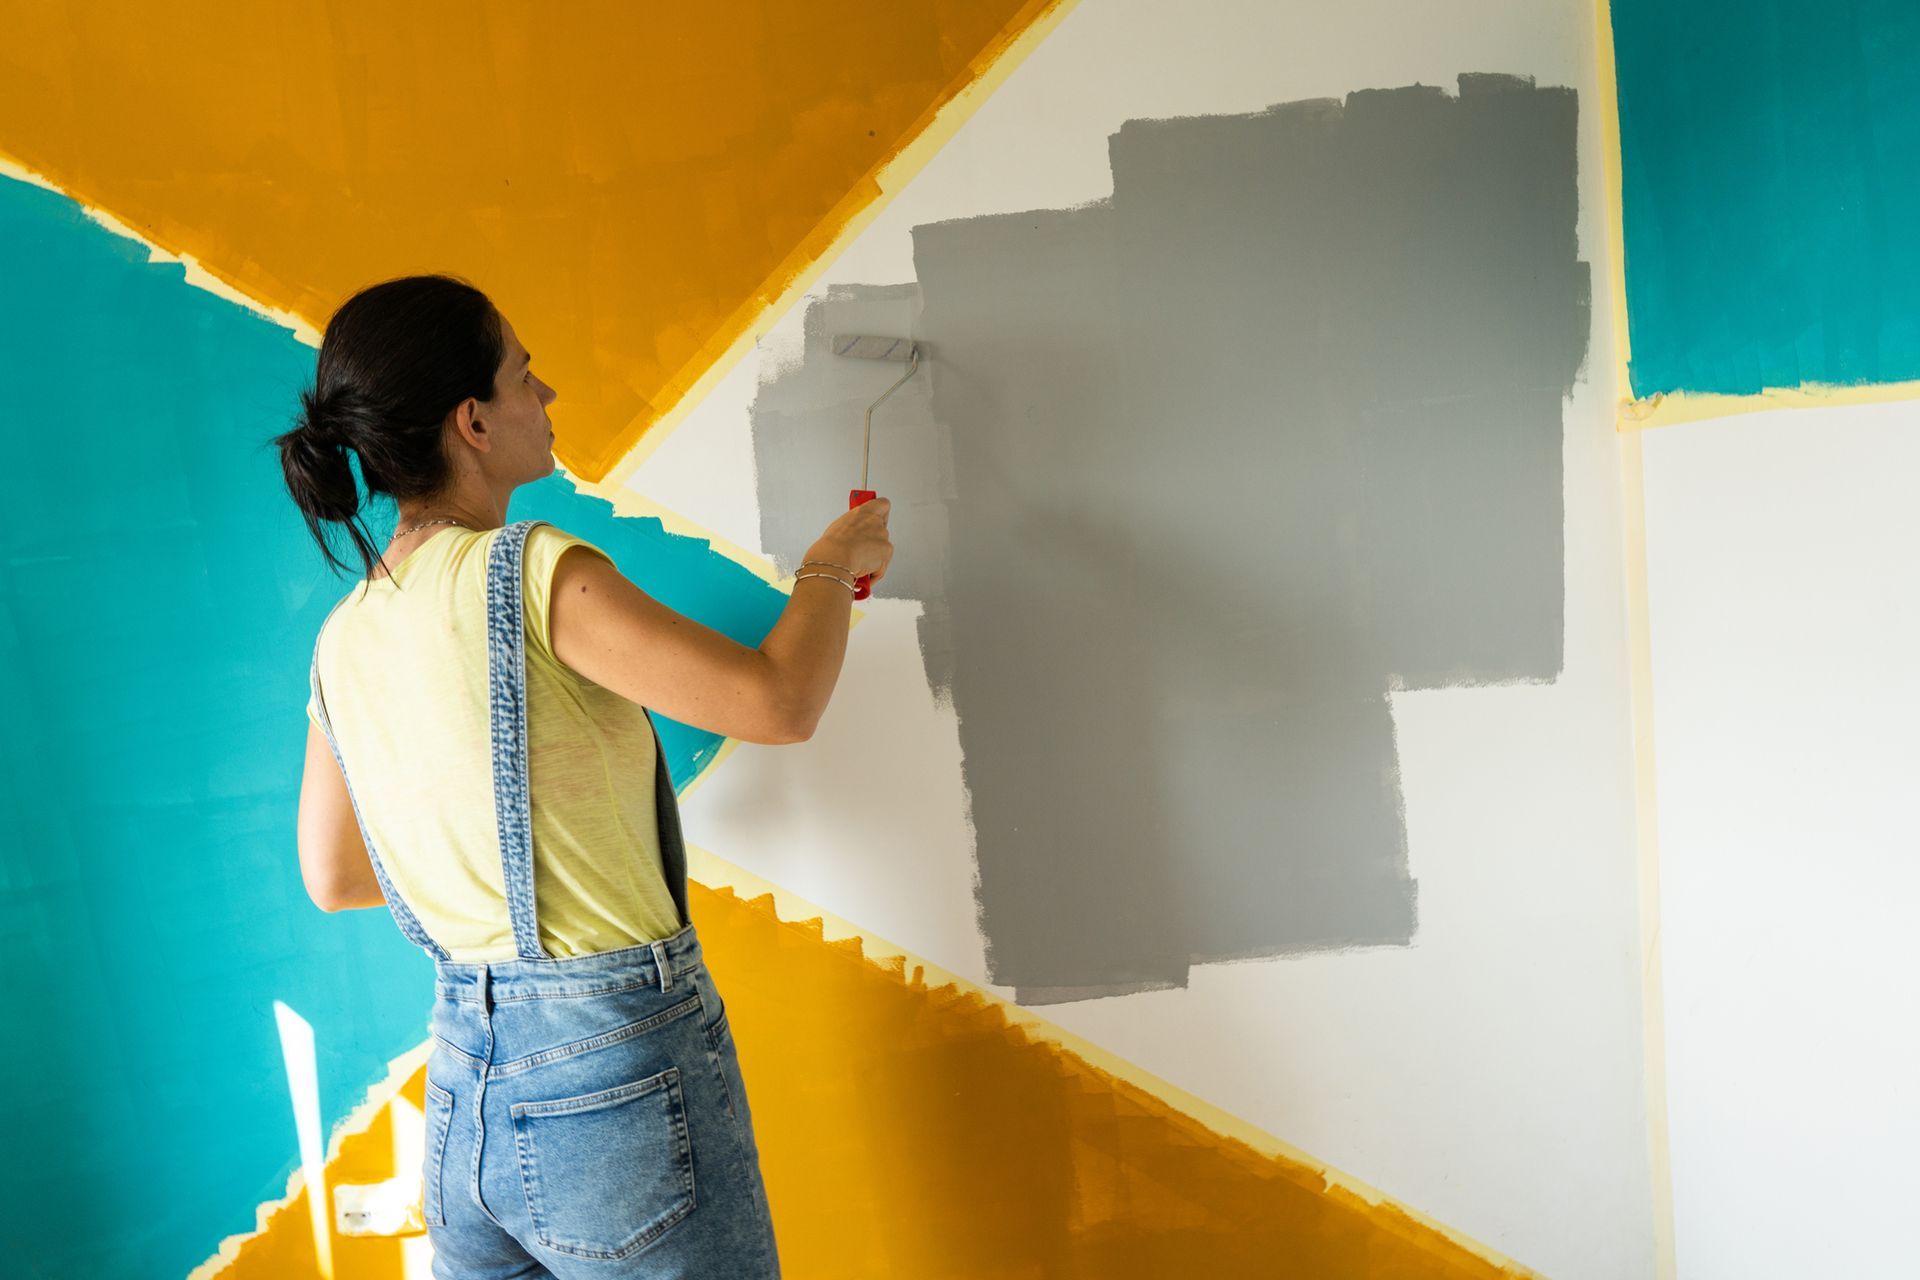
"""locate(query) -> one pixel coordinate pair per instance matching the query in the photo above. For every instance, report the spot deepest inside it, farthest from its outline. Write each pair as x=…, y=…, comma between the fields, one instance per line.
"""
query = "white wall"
x=1786, y=677
x=1490, y=1075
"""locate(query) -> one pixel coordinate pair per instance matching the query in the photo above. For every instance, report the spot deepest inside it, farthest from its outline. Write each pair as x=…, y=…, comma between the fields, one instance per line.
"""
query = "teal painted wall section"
x=1769, y=192
x=683, y=573
x=158, y=606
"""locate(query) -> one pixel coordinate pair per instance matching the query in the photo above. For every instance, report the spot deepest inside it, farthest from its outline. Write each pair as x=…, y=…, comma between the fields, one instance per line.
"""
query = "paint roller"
x=864, y=346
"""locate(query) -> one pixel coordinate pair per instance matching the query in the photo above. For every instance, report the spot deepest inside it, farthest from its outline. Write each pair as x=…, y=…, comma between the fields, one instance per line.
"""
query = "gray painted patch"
x=1195, y=475
x=807, y=427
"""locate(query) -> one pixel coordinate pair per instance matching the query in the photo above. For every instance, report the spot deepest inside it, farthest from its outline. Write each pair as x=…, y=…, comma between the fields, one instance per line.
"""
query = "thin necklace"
x=401, y=533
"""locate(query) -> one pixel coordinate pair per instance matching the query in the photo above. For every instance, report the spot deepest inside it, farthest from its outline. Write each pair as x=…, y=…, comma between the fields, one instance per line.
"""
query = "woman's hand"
x=858, y=540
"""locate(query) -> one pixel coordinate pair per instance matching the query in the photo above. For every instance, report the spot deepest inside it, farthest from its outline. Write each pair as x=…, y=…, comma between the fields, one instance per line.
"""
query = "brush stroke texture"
x=1224, y=459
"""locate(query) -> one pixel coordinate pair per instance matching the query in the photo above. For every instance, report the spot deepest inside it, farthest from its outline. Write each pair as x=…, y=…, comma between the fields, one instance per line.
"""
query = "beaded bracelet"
x=829, y=577
x=830, y=564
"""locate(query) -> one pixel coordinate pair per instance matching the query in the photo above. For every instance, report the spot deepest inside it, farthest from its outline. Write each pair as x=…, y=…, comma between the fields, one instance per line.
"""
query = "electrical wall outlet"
x=391, y=1208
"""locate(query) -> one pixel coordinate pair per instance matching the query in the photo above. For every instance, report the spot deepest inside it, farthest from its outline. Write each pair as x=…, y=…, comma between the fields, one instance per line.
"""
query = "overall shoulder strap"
x=507, y=683
x=507, y=714
x=666, y=807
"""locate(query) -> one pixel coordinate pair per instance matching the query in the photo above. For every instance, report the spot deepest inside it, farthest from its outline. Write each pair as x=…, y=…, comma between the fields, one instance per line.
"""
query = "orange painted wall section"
x=908, y=1130
x=633, y=183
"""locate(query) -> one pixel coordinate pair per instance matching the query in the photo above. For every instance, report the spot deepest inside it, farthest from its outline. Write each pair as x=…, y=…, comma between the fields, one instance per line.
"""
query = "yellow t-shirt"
x=403, y=666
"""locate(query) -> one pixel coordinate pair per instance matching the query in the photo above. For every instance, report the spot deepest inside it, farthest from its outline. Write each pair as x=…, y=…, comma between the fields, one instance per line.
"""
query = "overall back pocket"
x=606, y=1174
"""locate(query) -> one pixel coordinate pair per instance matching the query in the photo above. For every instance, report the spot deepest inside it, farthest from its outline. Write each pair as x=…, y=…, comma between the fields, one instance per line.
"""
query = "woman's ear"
x=468, y=424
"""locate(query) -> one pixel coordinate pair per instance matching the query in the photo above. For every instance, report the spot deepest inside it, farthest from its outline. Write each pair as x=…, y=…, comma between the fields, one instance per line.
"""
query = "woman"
x=509, y=802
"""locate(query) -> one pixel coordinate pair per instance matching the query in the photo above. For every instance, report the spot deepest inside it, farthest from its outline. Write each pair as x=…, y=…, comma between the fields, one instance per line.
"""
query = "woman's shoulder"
x=547, y=562
x=549, y=540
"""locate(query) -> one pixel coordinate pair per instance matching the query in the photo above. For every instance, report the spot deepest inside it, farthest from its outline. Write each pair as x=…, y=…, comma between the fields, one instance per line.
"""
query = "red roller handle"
x=864, y=587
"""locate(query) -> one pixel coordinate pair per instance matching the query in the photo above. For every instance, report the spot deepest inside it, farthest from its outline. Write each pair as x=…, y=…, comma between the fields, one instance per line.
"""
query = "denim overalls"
x=585, y=1115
